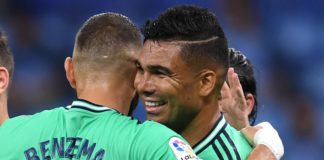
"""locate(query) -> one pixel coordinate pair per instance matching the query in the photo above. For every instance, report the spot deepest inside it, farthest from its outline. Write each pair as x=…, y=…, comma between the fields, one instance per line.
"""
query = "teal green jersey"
x=223, y=142
x=88, y=131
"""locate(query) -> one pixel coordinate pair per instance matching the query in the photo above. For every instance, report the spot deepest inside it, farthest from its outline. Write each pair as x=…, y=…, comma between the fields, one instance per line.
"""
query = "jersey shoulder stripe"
x=218, y=153
x=230, y=141
x=210, y=137
x=223, y=142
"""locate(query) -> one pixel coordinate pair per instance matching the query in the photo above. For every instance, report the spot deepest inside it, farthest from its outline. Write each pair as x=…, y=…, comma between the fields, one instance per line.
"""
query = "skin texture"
x=165, y=83
x=4, y=83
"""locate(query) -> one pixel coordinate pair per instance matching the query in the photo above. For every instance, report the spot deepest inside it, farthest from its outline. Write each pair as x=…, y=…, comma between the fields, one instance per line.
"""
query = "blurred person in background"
x=238, y=101
x=6, y=71
x=239, y=93
x=284, y=42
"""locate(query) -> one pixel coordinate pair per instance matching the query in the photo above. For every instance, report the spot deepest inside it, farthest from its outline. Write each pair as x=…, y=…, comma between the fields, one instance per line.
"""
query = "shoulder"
x=157, y=130
x=234, y=134
x=158, y=141
x=236, y=138
x=43, y=116
x=135, y=127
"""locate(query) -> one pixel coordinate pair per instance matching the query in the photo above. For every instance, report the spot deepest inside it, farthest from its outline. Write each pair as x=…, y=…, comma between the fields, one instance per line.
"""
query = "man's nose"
x=145, y=85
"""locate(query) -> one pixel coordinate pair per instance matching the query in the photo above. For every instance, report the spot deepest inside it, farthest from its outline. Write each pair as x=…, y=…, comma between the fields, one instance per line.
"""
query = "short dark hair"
x=244, y=69
x=204, y=42
x=6, y=57
x=107, y=35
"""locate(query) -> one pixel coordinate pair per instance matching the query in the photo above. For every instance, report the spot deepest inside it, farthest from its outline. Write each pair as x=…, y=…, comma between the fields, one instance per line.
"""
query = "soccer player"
x=239, y=105
x=240, y=100
x=6, y=70
x=181, y=70
x=94, y=126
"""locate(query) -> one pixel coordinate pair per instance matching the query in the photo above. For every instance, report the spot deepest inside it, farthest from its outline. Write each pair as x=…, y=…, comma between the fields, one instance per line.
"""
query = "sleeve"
x=162, y=143
x=178, y=149
x=240, y=142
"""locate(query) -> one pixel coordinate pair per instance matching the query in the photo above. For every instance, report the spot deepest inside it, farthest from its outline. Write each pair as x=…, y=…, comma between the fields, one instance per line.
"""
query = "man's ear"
x=207, y=82
x=250, y=101
x=4, y=80
x=68, y=66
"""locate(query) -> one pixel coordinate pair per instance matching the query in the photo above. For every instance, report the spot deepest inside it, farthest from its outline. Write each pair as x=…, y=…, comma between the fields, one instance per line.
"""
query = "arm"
x=236, y=108
x=261, y=152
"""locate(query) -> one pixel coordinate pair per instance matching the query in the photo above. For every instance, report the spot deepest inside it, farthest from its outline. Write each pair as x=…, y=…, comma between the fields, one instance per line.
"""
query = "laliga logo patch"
x=179, y=145
x=181, y=149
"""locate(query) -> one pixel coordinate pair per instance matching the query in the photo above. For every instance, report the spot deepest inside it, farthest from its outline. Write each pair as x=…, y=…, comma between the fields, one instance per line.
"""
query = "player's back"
x=25, y=137
x=223, y=142
x=86, y=131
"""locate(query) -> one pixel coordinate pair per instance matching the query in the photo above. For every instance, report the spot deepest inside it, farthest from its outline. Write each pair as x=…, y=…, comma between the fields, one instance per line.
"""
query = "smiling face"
x=167, y=85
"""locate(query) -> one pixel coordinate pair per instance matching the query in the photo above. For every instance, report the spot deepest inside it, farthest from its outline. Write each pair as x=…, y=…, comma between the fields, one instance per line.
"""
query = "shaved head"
x=103, y=42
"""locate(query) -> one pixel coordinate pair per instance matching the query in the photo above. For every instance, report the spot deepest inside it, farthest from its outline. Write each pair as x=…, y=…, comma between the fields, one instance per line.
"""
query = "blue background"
x=283, y=38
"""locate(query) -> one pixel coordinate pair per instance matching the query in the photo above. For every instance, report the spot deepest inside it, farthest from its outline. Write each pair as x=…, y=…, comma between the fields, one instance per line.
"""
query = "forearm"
x=261, y=152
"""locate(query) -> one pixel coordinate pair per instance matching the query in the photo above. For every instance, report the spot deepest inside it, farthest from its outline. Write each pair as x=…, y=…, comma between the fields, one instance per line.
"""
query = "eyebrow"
x=160, y=68
x=155, y=67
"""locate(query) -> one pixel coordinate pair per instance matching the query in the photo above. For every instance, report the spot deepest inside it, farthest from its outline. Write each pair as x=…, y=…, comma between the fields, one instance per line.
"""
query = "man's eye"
x=140, y=70
x=138, y=66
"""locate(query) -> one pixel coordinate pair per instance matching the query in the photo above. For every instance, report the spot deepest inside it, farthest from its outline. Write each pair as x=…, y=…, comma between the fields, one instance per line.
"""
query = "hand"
x=266, y=140
x=233, y=103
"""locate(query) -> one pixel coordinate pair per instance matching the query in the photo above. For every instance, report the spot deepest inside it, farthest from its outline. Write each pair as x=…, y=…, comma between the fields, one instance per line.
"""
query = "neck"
x=112, y=95
x=203, y=123
x=3, y=109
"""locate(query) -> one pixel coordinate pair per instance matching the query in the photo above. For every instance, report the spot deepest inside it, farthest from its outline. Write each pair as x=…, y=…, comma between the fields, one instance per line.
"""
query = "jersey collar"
x=210, y=136
x=84, y=104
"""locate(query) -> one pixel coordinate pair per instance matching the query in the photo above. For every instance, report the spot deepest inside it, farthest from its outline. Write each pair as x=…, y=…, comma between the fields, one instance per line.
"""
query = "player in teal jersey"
x=239, y=94
x=6, y=71
x=182, y=68
x=87, y=131
x=239, y=103
x=235, y=109
x=102, y=71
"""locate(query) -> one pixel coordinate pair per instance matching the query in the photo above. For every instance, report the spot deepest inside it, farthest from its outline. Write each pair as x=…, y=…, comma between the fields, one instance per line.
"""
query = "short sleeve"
x=159, y=142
